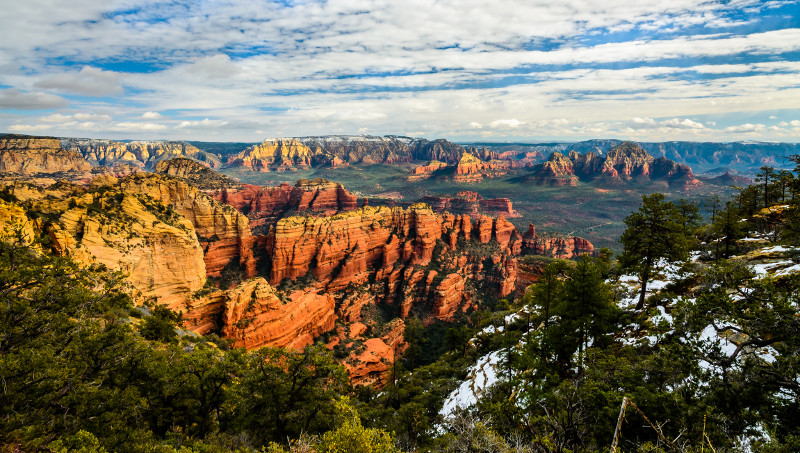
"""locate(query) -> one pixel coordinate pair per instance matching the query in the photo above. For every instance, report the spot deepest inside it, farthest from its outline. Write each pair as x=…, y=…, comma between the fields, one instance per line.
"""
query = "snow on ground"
x=776, y=268
x=497, y=329
x=777, y=249
x=480, y=377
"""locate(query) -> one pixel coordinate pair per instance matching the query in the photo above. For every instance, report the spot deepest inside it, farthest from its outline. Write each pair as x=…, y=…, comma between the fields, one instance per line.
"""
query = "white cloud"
x=748, y=127
x=684, y=123
x=29, y=127
x=446, y=68
x=130, y=126
x=88, y=81
x=505, y=123
x=15, y=99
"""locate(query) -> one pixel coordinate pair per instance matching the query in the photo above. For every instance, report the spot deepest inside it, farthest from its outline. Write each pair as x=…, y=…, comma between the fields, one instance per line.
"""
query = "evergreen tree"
x=656, y=231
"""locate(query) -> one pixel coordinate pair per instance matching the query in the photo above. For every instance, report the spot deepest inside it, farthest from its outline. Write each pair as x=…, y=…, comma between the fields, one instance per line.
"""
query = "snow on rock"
x=480, y=377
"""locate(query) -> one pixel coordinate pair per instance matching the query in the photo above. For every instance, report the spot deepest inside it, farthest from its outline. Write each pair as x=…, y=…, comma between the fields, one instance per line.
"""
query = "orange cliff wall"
x=264, y=205
x=382, y=245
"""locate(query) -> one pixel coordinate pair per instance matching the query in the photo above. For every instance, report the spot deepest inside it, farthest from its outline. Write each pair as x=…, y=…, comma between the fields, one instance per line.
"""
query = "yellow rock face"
x=224, y=233
x=14, y=224
x=30, y=155
x=278, y=153
x=160, y=255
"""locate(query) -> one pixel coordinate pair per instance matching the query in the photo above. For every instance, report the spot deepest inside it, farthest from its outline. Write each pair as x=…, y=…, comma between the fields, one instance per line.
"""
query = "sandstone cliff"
x=255, y=314
x=279, y=154
x=265, y=205
x=556, y=247
x=472, y=169
x=471, y=204
x=26, y=155
x=223, y=232
x=156, y=248
x=469, y=168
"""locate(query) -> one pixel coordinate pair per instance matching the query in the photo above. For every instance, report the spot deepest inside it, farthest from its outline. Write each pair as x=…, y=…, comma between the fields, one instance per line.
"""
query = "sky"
x=465, y=70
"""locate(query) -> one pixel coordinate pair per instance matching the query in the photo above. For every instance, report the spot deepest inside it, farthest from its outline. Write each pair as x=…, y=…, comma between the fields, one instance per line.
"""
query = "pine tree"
x=655, y=231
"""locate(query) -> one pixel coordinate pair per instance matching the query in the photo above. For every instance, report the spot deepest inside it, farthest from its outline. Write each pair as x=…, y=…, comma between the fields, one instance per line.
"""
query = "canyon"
x=281, y=265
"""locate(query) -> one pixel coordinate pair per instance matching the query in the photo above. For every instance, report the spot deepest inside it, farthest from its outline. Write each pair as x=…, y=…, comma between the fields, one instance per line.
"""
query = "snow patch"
x=480, y=377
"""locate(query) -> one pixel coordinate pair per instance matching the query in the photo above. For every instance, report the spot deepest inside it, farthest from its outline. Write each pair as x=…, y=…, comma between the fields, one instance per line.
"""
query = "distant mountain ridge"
x=738, y=157
x=626, y=162
x=337, y=150
x=142, y=153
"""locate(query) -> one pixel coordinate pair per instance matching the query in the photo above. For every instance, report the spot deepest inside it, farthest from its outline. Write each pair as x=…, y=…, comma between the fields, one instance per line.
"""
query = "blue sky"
x=464, y=70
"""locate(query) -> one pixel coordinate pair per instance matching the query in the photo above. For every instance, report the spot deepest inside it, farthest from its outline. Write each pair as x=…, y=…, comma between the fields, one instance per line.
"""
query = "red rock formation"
x=676, y=175
x=558, y=170
x=371, y=366
x=279, y=154
x=471, y=204
x=255, y=316
x=557, y=247
x=425, y=171
x=142, y=154
x=265, y=205
x=449, y=296
x=384, y=245
x=624, y=163
x=472, y=169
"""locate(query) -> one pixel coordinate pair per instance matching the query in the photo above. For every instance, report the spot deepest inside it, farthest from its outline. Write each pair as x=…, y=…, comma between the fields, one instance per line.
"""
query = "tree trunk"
x=640, y=304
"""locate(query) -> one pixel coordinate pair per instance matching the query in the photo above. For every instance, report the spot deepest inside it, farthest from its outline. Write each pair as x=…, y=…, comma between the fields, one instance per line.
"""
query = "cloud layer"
x=468, y=69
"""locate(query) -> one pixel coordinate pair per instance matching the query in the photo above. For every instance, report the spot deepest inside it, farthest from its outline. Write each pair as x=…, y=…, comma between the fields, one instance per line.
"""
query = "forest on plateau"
x=688, y=341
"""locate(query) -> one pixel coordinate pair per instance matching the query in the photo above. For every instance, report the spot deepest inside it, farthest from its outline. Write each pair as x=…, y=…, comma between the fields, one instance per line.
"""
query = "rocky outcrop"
x=196, y=173
x=426, y=171
x=279, y=154
x=471, y=204
x=625, y=163
x=158, y=252
x=556, y=247
x=472, y=169
x=438, y=150
x=677, y=175
x=385, y=248
x=557, y=171
x=370, y=365
x=26, y=155
x=362, y=149
x=469, y=168
x=254, y=314
x=15, y=226
x=223, y=232
x=265, y=205
x=728, y=179
x=142, y=154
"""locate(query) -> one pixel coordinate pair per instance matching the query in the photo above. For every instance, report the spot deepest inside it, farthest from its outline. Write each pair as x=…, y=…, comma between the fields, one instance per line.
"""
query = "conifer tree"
x=653, y=232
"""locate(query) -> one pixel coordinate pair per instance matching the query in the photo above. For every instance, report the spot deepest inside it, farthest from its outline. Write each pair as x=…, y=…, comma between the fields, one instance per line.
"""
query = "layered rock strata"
x=223, y=232
x=26, y=155
x=472, y=204
x=142, y=154
x=265, y=205
x=556, y=247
